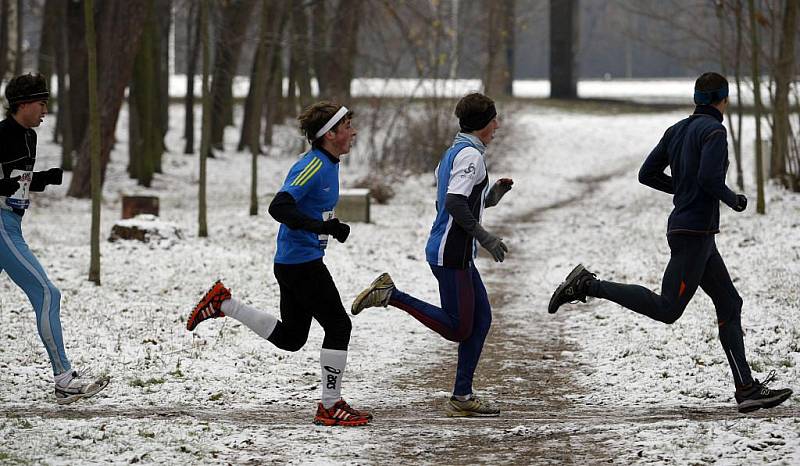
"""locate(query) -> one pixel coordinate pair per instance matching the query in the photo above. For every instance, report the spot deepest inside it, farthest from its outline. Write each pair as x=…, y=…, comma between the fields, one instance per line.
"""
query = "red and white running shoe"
x=210, y=307
x=341, y=414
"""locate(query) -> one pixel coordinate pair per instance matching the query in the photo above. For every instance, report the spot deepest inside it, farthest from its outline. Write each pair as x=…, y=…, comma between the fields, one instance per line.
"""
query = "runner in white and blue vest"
x=304, y=206
x=462, y=192
x=27, y=97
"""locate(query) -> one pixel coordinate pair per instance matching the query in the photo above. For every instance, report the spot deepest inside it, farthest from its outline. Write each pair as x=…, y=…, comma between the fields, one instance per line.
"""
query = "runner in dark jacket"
x=696, y=151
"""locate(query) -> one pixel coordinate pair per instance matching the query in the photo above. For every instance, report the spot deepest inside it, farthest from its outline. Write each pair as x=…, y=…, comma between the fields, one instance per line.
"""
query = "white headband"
x=332, y=122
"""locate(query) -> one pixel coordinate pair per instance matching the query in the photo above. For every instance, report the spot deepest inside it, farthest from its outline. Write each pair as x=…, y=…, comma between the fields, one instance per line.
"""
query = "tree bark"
x=260, y=91
x=202, y=227
x=300, y=53
x=563, y=49
x=757, y=107
x=783, y=80
x=119, y=28
x=340, y=68
x=144, y=142
x=46, y=43
x=63, y=121
x=192, y=41
x=231, y=35
x=77, y=63
x=4, y=35
x=499, y=73
x=18, y=55
x=94, y=142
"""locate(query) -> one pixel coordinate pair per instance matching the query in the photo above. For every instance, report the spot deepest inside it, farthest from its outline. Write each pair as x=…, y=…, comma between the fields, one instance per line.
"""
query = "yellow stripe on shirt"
x=305, y=171
x=310, y=170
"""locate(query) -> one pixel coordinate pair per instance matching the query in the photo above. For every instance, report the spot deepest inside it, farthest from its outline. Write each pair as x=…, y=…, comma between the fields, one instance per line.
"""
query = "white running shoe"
x=79, y=387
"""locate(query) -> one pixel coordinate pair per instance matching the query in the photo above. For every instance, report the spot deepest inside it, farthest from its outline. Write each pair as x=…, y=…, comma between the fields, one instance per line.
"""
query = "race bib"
x=323, y=238
x=21, y=198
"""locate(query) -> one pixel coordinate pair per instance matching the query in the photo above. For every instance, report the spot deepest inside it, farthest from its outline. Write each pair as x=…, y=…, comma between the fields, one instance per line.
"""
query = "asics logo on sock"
x=333, y=370
x=332, y=379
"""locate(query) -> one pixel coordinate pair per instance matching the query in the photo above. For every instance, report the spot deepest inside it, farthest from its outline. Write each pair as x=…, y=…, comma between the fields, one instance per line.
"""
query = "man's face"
x=31, y=114
x=486, y=135
x=342, y=139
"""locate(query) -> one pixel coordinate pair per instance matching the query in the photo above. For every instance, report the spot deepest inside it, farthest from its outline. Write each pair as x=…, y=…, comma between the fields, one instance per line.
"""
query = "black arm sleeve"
x=457, y=206
x=283, y=208
x=652, y=172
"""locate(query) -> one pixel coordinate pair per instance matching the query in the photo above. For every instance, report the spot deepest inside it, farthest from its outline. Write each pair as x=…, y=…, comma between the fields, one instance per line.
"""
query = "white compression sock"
x=332, y=362
x=258, y=321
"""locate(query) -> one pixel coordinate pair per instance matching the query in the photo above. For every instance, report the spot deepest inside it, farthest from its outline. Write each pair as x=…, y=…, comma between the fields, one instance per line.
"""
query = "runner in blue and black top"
x=696, y=151
x=462, y=192
x=304, y=206
x=27, y=97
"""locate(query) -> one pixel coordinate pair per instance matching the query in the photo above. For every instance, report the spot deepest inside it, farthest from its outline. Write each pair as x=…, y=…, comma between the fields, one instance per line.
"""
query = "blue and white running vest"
x=462, y=171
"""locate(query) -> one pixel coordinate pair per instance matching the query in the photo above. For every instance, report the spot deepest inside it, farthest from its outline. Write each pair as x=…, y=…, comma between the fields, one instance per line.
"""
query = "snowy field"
x=625, y=389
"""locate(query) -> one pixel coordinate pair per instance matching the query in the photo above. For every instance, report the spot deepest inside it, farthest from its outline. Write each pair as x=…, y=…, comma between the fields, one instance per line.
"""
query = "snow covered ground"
x=638, y=391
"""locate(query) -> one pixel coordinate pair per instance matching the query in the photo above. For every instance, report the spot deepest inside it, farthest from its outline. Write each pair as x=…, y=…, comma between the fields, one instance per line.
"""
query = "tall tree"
x=563, y=48
x=20, y=37
x=319, y=31
x=757, y=107
x=499, y=73
x=144, y=142
x=737, y=143
x=231, y=35
x=119, y=26
x=340, y=68
x=784, y=74
x=723, y=58
x=205, y=136
x=47, y=33
x=4, y=35
x=260, y=91
x=63, y=121
x=192, y=46
x=94, y=142
x=300, y=52
x=76, y=63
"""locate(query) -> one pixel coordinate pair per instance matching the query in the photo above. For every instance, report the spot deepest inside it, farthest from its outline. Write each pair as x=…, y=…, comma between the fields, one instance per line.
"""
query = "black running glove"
x=43, y=178
x=337, y=229
x=497, y=191
x=491, y=243
x=9, y=186
x=741, y=203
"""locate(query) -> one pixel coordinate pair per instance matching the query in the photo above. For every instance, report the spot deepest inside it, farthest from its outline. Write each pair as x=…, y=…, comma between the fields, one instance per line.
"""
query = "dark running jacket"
x=696, y=150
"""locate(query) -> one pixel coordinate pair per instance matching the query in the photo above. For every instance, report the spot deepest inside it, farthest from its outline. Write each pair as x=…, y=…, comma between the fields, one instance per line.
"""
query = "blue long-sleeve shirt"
x=696, y=150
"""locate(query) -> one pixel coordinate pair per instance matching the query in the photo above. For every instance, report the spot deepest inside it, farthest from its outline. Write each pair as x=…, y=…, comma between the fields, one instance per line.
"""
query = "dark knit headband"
x=32, y=97
x=708, y=97
x=477, y=121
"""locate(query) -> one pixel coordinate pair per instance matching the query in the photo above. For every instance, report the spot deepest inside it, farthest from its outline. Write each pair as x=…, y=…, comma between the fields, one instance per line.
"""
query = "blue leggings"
x=24, y=269
x=465, y=317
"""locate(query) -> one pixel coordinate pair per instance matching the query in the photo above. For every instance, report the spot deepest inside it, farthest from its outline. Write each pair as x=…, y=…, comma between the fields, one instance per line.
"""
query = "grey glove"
x=491, y=243
x=497, y=191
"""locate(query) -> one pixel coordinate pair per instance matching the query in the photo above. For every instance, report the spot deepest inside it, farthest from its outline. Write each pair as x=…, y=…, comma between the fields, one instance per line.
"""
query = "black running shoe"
x=760, y=396
x=572, y=289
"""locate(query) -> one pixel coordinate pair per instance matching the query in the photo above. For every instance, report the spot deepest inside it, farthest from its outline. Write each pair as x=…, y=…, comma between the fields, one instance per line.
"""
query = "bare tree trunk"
x=4, y=35
x=339, y=70
x=301, y=52
x=319, y=59
x=192, y=41
x=63, y=122
x=94, y=142
x=202, y=229
x=563, y=48
x=77, y=63
x=783, y=79
x=145, y=141
x=119, y=27
x=18, y=56
x=262, y=65
x=46, y=46
x=499, y=73
x=737, y=143
x=723, y=46
x=270, y=49
x=760, y=203
x=235, y=18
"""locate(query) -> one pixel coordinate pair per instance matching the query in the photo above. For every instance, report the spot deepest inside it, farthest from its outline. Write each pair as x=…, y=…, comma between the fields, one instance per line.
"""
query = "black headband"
x=476, y=121
x=33, y=97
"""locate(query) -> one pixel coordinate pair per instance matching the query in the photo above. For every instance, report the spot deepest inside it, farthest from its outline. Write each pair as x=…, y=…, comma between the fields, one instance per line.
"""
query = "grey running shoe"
x=760, y=396
x=472, y=407
x=573, y=288
x=79, y=387
x=378, y=293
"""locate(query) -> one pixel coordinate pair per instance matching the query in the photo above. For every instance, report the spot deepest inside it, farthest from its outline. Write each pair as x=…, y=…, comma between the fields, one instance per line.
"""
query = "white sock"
x=63, y=379
x=463, y=397
x=258, y=321
x=332, y=362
